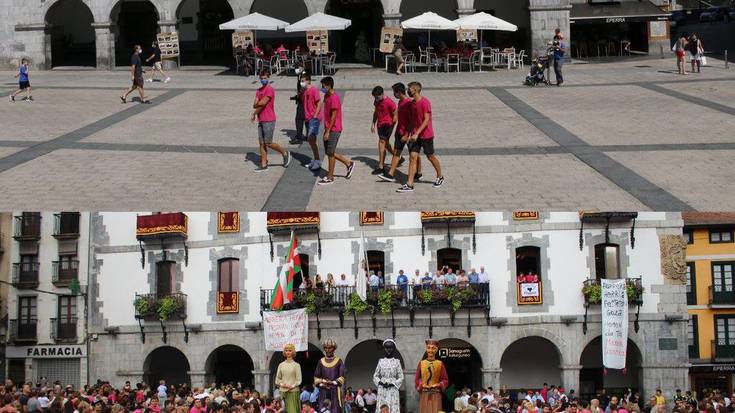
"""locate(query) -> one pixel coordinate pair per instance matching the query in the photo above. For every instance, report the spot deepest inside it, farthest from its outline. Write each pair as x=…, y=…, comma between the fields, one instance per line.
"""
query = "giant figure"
x=388, y=378
x=329, y=376
x=431, y=380
x=288, y=379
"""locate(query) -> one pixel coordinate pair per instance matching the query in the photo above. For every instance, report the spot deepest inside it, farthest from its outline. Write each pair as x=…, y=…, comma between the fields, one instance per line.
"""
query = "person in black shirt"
x=156, y=66
x=136, y=75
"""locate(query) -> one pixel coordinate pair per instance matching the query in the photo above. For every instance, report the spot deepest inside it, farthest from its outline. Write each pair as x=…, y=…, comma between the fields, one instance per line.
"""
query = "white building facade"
x=46, y=338
x=212, y=272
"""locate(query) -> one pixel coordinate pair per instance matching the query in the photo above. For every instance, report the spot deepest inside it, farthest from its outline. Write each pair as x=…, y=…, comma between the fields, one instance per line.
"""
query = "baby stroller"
x=537, y=73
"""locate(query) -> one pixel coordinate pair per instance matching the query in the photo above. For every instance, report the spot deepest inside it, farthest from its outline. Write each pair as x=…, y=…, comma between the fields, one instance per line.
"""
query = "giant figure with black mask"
x=388, y=378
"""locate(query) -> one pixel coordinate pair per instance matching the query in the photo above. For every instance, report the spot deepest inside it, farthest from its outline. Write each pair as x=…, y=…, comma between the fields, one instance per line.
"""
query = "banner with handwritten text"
x=286, y=327
x=614, y=323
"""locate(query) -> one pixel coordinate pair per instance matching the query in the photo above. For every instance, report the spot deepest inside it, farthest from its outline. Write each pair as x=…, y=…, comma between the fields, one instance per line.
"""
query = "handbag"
x=704, y=60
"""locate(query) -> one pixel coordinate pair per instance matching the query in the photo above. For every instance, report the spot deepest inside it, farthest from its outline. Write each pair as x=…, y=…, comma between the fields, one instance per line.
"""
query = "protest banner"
x=286, y=327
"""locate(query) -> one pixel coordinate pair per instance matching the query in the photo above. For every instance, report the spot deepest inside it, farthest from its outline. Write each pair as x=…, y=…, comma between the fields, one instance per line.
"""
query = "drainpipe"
x=86, y=292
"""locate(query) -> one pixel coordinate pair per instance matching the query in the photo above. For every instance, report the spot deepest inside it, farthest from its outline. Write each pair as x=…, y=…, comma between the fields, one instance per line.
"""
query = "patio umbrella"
x=319, y=21
x=484, y=21
x=254, y=22
x=429, y=21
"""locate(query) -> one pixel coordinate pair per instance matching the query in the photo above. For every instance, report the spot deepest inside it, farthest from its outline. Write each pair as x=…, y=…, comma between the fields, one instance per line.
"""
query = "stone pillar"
x=316, y=6
x=262, y=380
x=465, y=7
x=491, y=377
x=665, y=377
x=198, y=378
x=570, y=377
x=547, y=16
x=104, y=40
x=168, y=26
x=36, y=38
x=412, y=396
x=392, y=20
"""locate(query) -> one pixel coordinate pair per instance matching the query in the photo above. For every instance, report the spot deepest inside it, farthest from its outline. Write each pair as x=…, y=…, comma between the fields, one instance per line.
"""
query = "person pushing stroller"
x=537, y=72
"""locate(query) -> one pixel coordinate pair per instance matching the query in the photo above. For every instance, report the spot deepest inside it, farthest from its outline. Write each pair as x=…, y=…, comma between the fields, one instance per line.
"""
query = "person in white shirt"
x=342, y=282
x=416, y=279
x=484, y=277
x=439, y=279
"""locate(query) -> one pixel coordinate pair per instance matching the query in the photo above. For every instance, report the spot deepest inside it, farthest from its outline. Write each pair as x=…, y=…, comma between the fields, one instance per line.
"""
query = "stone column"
x=37, y=40
x=665, y=377
x=465, y=7
x=570, y=377
x=412, y=396
x=168, y=26
x=392, y=20
x=547, y=16
x=104, y=40
x=262, y=380
x=198, y=378
x=491, y=377
x=316, y=6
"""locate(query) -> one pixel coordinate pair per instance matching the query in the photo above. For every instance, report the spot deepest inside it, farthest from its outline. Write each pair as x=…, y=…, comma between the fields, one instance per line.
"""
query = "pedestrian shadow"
x=253, y=158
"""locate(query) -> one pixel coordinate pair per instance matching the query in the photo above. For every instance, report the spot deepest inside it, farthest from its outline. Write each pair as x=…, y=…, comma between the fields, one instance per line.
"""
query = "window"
x=721, y=235
x=691, y=284
x=229, y=275
x=449, y=257
x=688, y=236
x=722, y=283
x=607, y=261
x=27, y=310
x=68, y=266
x=693, y=336
x=67, y=309
x=304, y=275
x=528, y=261
x=164, y=278
x=725, y=330
x=376, y=263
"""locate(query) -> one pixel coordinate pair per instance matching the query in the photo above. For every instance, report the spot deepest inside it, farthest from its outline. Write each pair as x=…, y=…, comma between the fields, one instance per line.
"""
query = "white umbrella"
x=254, y=22
x=484, y=21
x=319, y=21
x=429, y=21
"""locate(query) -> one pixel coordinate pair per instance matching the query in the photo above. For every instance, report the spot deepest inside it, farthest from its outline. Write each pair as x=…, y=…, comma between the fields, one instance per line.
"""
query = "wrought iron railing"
x=64, y=272
x=27, y=227
x=722, y=351
x=23, y=331
x=163, y=307
x=66, y=225
x=25, y=274
x=64, y=329
x=592, y=291
x=721, y=297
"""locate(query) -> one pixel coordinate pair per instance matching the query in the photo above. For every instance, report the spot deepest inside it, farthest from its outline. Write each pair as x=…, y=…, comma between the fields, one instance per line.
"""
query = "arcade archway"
x=136, y=22
x=463, y=363
x=201, y=41
x=530, y=362
x=306, y=359
x=72, y=35
x=592, y=377
x=354, y=43
x=361, y=361
x=229, y=364
x=166, y=363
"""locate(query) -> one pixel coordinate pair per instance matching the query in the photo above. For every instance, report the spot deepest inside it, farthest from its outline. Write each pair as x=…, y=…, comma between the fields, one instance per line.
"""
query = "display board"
x=466, y=35
x=389, y=37
x=318, y=41
x=529, y=293
x=168, y=42
x=242, y=39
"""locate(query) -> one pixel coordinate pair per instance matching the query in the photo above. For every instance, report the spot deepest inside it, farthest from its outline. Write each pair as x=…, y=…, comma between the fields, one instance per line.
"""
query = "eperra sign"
x=46, y=352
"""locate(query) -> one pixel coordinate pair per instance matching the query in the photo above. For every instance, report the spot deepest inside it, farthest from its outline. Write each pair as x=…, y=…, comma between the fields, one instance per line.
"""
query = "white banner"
x=614, y=323
x=529, y=290
x=286, y=327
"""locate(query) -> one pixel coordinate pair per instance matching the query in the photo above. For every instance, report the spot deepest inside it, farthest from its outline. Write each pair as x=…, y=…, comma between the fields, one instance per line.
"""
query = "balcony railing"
x=164, y=307
x=64, y=329
x=592, y=291
x=723, y=352
x=721, y=297
x=27, y=227
x=23, y=331
x=66, y=225
x=402, y=297
x=64, y=272
x=25, y=274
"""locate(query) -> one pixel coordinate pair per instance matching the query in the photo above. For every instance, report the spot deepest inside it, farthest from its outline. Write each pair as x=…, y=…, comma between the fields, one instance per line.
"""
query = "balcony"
x=170, y=225
x=66, y=225
x=25, y=275
x=23, y=332
x=592, y=292
x=721, y=299
x=723, y=352
x=64, y=272
x=27, y=227
x=163, y=308
x=64, y=329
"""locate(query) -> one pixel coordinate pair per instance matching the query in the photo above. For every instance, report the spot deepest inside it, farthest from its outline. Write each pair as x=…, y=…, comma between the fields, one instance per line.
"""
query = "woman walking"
x=694, y=50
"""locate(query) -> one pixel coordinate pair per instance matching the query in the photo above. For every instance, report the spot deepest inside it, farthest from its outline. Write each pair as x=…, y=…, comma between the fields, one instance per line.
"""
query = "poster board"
x=318, y=41
x=466, y=35
x=529, y=293
x=242, y=39
x=389, y=36
x=286, y=327
x=614, y=323
x=168, y=42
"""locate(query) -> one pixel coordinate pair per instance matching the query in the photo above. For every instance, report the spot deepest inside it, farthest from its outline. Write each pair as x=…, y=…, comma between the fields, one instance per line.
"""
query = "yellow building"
x=711, y=299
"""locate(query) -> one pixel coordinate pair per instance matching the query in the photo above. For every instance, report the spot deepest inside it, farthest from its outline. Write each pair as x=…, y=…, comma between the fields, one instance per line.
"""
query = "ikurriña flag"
x=283, y=291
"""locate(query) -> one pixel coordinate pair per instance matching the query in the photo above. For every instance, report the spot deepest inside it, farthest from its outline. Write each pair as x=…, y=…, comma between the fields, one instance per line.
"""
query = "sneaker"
x=350, y=170
x=378, y=171
x=405, y=188
x=401, y=161
x=12, y=98
x=286, y=159
x=325, y=181
x=294, y=141
x=309, y=165
x=168, y=79
x=386, y=177
x=123, y=99
x=315, y=165
x=439, y=181
x=417, y=177
x=261, y=168
x=149, y=80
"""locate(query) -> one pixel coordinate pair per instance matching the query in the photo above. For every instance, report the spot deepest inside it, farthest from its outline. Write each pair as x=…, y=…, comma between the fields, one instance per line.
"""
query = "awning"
x=622, y=12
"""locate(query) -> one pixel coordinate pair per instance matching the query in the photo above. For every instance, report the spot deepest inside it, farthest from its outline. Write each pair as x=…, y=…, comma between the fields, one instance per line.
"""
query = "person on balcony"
x=474, y=277
x=462, y=279
x=318, y=282
x=427, y=280
x=451, y=278
x=343, y=282
x=330, y=281
x=374, y=282
x=402, y=282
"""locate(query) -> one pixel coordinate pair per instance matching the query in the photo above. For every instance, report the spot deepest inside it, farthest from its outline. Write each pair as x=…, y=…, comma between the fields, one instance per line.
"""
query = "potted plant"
x=168, y=306
x=356, y=305
x=145, y=306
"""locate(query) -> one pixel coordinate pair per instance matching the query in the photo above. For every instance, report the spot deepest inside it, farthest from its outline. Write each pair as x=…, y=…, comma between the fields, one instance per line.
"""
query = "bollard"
x=662, y=51
x=727, y=62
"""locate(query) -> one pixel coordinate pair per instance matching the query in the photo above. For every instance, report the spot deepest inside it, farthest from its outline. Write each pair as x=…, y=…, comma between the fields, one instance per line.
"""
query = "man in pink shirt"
x=421, y=137
x=384, y=117
x=265, y=113
x=332, y=131
x=312, y=116
x=404, y=126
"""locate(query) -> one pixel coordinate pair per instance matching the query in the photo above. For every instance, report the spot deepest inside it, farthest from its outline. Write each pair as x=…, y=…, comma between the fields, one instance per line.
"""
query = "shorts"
x=693, y=56
x=680, y=53
x=330, y=145
x=138, y=82
x=157, y=66
x=426, y=144
x=265, y=132
x=24, y=84
x=312, y=127
x=384, y=132
x=399, y=145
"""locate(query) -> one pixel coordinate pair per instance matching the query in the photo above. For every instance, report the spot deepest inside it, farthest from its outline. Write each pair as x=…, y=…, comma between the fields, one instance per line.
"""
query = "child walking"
x=24, y=83
x=384, y=117
x=266, y=115
x=332, y=131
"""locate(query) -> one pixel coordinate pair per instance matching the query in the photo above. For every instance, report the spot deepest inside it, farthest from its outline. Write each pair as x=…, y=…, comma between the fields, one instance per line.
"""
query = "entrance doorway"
x=166, y=363
x=229, y=364
x=136, y=23
x=463, y=363
x=354, y=43
x=72, y=35
x=306, y=359
x=450, y=257
x=360, y=365
x=202, y=42
x=376, y=263
x=530, y=362
x=593, y=377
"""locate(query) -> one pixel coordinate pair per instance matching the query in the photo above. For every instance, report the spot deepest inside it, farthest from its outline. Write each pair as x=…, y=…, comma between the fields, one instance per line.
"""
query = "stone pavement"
x=628, y=135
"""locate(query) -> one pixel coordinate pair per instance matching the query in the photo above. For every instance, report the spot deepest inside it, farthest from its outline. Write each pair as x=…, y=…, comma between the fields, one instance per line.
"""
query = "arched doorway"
x=354, y=43
x=229, y=364
x=201, y=40
x=289, y=11
x=530, y=362
x=136, y=22
x=361, y=361
x=166, y=363
x=450, y=257
x=376, y=262
x=72, y=35
x=463, y=363
x=306, y=359
x=592, y=377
